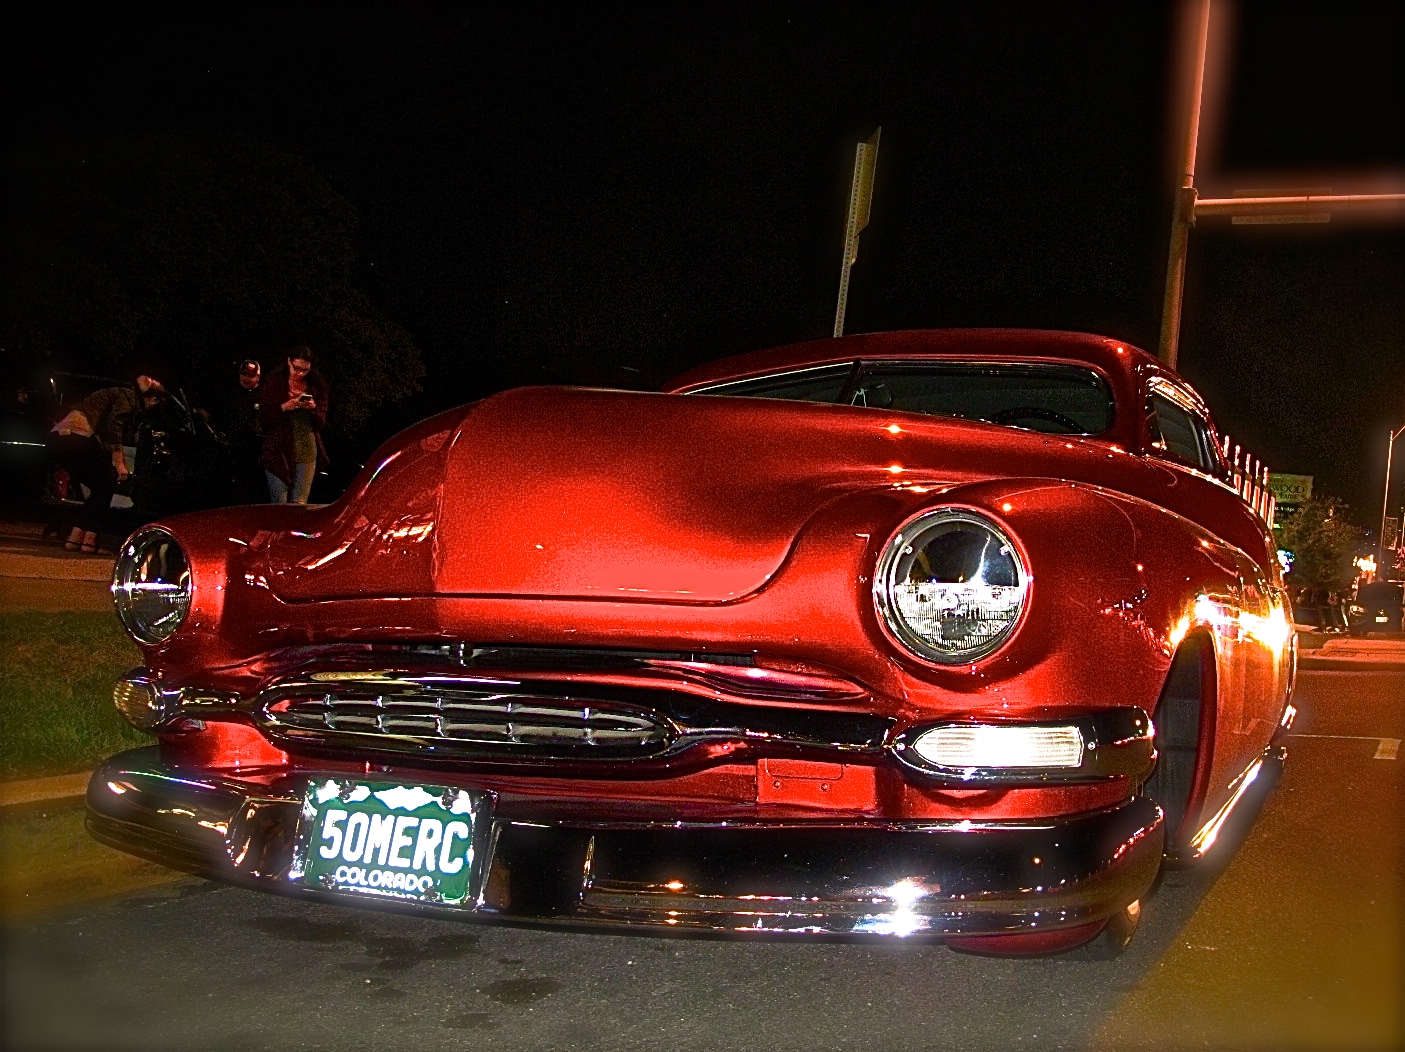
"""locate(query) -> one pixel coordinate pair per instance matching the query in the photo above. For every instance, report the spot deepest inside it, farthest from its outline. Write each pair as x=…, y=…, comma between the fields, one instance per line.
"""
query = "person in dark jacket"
x=88, y=443
x=240, y=420
x=292, y=412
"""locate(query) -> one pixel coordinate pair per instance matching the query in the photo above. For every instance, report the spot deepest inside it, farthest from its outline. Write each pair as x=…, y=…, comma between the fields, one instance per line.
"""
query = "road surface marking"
x=1386, y=748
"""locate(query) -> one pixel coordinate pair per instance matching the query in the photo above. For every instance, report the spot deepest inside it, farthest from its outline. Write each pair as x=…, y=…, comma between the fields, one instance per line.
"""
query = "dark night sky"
x=645, y=192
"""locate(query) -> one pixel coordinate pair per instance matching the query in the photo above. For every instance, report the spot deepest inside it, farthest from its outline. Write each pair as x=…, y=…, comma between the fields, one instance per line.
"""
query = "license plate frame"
x=391, y=853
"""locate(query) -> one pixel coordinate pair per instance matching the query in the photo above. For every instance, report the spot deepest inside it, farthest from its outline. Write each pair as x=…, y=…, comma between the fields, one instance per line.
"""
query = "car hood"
x=569, y=492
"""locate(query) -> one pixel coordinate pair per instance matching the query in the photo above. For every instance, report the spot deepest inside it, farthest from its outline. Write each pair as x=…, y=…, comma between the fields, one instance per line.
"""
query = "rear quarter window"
x=1183, y=434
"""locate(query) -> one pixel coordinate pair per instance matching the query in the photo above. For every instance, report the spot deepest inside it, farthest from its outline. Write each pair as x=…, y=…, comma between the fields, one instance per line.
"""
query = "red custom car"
x=954, y=633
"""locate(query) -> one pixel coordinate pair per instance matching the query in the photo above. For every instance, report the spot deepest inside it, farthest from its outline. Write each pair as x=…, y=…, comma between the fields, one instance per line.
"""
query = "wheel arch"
x=1185, y=719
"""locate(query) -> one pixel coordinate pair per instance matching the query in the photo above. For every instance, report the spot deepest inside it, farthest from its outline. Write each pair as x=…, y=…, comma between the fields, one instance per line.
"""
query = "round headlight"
x=951, y=586
x=151, y=585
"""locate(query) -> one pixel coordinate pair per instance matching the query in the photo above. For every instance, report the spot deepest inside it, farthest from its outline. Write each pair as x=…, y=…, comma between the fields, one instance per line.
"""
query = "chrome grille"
x=457, y=721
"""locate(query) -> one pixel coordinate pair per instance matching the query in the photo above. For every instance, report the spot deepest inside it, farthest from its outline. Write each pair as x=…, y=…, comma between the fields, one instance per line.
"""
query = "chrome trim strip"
x=449, y=717
x=683, y=720
x=886, y=878
x=844, y=365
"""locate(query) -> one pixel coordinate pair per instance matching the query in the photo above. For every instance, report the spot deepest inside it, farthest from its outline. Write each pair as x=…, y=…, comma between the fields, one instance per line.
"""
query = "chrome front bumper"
x=822, y=877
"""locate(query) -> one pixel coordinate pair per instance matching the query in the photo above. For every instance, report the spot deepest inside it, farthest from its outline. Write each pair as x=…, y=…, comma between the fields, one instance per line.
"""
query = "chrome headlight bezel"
x=1010, y=598
x=152, y=585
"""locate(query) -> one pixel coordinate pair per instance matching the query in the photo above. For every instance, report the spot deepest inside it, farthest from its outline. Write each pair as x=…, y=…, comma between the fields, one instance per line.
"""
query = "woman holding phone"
x=292, y=413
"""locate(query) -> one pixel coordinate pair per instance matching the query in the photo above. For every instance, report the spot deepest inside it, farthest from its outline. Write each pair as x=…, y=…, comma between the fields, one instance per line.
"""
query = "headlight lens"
x=951, y=586
x=151, y=586
x=995, y=746
x=140, y=700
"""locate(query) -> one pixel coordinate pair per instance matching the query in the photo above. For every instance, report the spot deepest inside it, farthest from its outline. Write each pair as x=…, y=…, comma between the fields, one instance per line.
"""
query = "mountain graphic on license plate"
x=413, y=842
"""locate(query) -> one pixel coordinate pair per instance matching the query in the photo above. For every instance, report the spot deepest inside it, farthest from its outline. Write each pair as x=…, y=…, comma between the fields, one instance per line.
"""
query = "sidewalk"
x=1340, y=654
x=36, y=573
x=44, y=790
x=25, y=553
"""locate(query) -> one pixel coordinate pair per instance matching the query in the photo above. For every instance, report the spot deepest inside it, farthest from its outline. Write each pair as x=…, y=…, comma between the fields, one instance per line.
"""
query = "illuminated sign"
x=1290, y=489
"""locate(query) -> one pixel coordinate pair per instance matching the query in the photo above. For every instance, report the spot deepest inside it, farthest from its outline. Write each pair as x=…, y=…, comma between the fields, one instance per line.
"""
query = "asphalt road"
x=1295, y=943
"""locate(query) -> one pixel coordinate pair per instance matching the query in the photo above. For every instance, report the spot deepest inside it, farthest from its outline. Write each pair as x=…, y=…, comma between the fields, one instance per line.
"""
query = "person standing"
x=245, y=434
x=292, y=412
x=88, y=443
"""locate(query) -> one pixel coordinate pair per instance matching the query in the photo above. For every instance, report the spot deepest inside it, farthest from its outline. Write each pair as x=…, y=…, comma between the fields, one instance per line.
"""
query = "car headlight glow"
x=999, y=746
x=951, y=586
x=141, y=701
x=151, y=585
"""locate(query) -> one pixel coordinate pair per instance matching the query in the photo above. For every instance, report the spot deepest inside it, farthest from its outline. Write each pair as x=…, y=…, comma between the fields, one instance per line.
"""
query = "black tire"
x=1177, y=723
x=1110, y=943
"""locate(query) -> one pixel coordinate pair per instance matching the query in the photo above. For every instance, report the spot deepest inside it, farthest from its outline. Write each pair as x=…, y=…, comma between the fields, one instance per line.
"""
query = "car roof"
x=1125, y=367
x=1115, y=358
x=1381, y=589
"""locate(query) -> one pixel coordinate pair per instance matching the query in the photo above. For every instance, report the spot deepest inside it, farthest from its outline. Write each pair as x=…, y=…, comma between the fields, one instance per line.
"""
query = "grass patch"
x=56, y=676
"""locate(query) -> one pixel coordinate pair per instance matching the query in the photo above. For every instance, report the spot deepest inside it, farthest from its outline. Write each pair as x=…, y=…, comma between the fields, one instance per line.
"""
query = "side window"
x=1182, y=434
x=1054, y=399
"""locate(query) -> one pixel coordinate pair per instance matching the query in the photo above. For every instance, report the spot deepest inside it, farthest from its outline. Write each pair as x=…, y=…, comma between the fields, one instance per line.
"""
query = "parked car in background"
x=178, y=461
x=181, y=463
x=956, y=634
x=24, y=459
x=34, y=402
x=1377, y=607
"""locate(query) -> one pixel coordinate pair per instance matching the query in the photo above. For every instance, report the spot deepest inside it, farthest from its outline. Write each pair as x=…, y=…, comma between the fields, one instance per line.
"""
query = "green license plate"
x=420, y=843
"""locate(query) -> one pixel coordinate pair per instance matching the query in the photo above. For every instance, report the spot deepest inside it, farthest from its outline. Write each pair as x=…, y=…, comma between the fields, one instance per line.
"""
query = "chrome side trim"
x=847, y=366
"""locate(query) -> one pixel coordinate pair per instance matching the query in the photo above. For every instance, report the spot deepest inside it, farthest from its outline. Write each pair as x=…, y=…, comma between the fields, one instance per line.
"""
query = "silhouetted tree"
x=1323, y=544
x=192, y=250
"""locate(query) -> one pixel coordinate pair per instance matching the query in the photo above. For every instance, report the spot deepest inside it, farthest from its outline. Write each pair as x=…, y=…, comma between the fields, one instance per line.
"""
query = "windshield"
x=1057, y=399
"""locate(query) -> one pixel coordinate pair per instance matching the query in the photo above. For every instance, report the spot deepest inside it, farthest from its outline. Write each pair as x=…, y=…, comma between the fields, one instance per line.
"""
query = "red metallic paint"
x=599, y=519
x=225, y=745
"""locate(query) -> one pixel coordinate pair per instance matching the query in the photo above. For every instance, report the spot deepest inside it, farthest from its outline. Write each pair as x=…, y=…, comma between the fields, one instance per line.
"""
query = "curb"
x=56, y=567
x=1346, y=664
x=26, y=552
x=44, y=790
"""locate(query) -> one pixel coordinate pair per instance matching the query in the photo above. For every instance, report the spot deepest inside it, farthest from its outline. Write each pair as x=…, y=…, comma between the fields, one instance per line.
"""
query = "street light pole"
x=1265, y=206
x=1385, y=500
x=1183, y=217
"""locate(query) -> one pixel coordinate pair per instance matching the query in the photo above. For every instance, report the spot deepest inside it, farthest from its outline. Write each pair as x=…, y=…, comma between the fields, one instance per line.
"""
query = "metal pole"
x=860, y=198
x=1385, y=500
x=851, y=249
x=1184, y=215
x=1296, y=204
